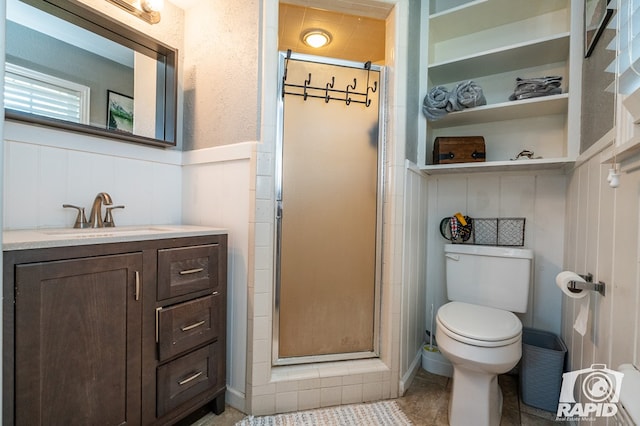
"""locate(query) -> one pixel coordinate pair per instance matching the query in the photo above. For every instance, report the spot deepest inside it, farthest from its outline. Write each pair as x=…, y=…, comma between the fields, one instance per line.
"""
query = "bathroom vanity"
x=119, y=326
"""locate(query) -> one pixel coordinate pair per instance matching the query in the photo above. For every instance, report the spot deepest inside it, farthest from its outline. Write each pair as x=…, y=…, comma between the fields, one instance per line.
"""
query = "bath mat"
x=383, y=413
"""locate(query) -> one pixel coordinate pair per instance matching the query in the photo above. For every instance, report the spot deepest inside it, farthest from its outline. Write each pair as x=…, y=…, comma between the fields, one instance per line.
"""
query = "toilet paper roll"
x=563, y=279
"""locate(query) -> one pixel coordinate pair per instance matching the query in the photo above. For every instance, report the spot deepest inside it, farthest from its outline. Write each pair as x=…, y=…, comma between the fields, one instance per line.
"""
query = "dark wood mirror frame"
x=105, y=26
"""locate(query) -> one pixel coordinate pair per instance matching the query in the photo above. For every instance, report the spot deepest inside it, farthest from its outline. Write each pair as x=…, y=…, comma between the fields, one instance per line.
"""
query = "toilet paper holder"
x=578, y=286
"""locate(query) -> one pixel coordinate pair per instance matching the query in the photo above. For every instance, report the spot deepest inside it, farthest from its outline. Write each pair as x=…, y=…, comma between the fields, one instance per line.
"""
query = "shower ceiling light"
x=316, y=38
x=147, y=10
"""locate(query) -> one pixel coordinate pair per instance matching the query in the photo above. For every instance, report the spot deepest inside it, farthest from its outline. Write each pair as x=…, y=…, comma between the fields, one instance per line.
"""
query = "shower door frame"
x=276, y=359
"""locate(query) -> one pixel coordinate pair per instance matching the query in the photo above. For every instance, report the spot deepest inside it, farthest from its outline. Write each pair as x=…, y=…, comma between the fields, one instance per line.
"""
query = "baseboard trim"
x=236, y=399
x=408, y=377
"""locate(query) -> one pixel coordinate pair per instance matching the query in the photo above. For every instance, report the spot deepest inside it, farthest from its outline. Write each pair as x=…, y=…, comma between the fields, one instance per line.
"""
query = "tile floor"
x=425, y=403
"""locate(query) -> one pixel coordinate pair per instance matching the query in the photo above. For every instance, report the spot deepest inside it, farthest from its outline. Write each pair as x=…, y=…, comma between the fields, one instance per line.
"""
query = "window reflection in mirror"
x=61, y=74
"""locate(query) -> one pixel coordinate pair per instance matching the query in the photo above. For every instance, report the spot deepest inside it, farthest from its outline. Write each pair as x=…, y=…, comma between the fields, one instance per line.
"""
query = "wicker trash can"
x=541, y=368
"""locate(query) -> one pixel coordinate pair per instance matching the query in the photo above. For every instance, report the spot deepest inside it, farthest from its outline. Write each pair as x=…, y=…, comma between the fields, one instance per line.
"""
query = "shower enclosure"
x=328, y=210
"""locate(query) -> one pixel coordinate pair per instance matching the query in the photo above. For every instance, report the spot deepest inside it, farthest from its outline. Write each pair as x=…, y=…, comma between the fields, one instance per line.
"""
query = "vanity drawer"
x=186, y=270
x=187, y=377
x=187, y=325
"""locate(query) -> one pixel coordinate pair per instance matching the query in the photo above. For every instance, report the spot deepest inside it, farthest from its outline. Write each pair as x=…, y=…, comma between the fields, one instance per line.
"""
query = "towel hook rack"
x=328, y=92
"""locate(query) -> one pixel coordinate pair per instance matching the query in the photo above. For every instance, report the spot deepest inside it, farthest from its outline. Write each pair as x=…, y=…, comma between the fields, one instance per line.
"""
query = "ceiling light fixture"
x=147, y=10
x=316, y=38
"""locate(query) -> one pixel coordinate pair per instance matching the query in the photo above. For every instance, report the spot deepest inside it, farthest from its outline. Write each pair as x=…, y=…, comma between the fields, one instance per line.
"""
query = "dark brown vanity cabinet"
x=91, y=335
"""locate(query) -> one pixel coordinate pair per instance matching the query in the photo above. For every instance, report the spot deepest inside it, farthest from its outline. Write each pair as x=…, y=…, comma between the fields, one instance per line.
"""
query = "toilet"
x=477, y=330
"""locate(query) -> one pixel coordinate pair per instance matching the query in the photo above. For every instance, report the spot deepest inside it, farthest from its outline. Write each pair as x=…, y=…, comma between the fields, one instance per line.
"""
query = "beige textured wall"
x=221, y=69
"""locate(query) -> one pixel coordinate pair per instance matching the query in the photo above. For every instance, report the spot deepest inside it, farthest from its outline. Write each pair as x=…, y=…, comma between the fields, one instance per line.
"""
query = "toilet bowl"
x=481, y=343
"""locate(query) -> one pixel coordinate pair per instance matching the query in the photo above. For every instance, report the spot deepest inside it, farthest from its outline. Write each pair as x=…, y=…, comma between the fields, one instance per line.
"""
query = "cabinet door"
x=78, y=341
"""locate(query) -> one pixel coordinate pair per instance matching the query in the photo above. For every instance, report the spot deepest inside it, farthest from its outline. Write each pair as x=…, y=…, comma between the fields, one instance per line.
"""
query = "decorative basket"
x=503, y=231
x=508, y=231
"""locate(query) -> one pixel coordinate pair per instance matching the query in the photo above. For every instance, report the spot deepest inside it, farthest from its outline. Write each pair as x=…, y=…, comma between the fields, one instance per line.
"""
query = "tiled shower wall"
x=603, y=230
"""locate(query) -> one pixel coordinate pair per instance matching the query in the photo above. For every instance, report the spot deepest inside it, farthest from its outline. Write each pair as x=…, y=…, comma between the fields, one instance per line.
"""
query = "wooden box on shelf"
x=458, y=149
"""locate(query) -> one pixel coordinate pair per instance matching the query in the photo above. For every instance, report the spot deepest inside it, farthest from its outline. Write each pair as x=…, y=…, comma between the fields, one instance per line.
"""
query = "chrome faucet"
x=95, y=217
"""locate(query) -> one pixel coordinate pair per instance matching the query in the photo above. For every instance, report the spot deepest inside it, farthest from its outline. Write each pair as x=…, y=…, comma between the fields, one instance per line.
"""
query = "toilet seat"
x=479, y=325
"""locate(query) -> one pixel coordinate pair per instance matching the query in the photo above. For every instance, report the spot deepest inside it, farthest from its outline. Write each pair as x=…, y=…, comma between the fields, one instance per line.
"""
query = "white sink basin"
x=107, y=232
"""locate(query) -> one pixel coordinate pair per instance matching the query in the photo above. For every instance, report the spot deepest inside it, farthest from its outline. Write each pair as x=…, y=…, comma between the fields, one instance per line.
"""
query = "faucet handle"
x=108, y=217
x=81, y=219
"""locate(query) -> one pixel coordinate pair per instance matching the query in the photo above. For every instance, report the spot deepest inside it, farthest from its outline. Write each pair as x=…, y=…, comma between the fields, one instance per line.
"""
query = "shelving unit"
x=492, y=42
x=510, y=110
x=514, y=57
x=499, y=166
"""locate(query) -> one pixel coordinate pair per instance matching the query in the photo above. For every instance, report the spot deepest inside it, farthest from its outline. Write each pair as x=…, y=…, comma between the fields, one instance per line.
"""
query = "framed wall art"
x=119, y=112
x=596, y=17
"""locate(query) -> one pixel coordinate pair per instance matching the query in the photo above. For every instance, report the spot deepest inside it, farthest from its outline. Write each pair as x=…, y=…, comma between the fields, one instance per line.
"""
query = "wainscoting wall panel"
x=538, y=197
x=218, y=185
x=603, y=239
x=45, y=168
x=414, y=273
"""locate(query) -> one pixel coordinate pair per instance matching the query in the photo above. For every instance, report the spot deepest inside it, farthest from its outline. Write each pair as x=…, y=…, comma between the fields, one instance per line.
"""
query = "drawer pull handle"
x=191, y=271
x=190, y=378
x=192, y=326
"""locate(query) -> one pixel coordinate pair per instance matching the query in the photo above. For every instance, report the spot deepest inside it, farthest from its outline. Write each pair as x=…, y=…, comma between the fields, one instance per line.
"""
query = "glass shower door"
x=328, y=216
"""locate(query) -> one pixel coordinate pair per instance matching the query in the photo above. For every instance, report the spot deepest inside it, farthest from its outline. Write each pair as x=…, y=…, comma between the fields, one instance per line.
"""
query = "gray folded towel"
x=538, y=86
x=436, y=102
x=467, y=94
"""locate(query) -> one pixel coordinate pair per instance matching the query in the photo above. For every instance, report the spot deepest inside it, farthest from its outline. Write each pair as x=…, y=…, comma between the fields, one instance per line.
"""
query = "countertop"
x=64, y=237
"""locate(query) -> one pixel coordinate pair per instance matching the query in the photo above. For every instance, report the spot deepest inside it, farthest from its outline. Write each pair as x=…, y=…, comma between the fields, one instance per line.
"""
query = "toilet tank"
x=498, y=277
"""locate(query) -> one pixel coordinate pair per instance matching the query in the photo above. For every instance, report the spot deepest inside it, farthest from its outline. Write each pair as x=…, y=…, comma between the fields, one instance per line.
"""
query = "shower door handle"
x=279, y=209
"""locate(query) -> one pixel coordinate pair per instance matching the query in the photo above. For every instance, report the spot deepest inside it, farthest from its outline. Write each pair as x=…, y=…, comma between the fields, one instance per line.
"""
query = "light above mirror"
x=147, y=10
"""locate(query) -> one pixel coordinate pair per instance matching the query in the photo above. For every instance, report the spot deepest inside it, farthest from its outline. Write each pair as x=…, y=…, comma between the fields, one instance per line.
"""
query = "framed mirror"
x=74, y=69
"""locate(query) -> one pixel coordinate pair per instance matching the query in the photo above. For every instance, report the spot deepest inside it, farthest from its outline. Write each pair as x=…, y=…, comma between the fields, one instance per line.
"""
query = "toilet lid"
x=479, y=322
